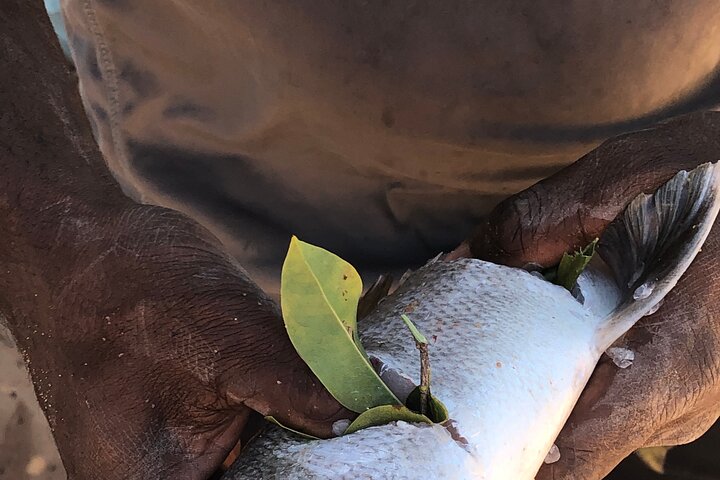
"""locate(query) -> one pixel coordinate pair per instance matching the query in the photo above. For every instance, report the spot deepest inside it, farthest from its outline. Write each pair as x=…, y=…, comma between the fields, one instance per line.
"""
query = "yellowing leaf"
x=654, y=457
x=385, y=414
x=319, y=294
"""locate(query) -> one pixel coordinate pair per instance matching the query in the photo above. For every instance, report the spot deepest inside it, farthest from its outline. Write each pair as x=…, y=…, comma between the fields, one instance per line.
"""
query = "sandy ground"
x=27, y=450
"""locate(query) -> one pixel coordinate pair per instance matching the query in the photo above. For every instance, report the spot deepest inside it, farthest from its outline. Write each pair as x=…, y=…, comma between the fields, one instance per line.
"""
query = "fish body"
x=510, y=352
x=462, y=307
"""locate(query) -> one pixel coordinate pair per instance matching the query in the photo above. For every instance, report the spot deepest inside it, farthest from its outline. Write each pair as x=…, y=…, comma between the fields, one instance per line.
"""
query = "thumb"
x=591, y=444
x=292, y=394
x=571, y=208
x=272, y=379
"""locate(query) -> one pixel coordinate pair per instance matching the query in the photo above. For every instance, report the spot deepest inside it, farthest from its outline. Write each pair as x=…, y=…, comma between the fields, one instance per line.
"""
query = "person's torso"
x=380, y=130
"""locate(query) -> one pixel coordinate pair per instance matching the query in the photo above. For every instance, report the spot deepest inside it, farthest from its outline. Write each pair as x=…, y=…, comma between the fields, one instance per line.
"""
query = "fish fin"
x=374, y=295
x=651, y=244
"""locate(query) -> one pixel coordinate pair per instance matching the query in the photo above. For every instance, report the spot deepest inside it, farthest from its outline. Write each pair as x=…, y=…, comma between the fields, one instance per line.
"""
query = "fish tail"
x=651, y=244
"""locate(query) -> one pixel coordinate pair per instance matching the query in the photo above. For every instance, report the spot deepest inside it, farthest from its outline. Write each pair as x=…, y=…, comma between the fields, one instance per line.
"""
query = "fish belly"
x=510, y=354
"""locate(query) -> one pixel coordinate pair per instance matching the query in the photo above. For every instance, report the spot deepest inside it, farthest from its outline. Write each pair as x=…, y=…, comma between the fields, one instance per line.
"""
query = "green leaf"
x=419, y=337
x=438, y=412
x=319, y=294
x=572, y=265
x=276, y=422
x=385, y=414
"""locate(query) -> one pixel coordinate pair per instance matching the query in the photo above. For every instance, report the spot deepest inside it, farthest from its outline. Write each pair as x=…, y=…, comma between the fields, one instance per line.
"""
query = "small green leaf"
x=419, y=337
x=319, y=294
x=304, y=435
x=438, y=411
x=385, y=414
x=572, y=265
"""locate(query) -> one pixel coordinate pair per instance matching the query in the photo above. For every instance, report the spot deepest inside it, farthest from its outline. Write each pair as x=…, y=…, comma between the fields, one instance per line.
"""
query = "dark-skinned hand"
x=671, y=393
x=149, y=347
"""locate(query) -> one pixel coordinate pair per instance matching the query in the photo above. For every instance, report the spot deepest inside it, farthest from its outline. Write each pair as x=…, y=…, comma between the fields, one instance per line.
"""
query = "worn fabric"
x=382, y=131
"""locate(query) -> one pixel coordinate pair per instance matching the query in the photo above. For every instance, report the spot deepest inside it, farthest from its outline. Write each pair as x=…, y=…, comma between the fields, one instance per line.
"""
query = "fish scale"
x=504, y=300
x=457, y=324
x=510, y=352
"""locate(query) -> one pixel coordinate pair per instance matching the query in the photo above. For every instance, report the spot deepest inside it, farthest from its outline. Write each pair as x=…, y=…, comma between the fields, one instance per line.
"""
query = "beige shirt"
x=380, y=130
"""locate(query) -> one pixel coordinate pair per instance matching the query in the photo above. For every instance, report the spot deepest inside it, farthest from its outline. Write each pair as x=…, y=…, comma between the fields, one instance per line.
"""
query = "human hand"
x=148, y=346
x=150, y=349
x=671, y=393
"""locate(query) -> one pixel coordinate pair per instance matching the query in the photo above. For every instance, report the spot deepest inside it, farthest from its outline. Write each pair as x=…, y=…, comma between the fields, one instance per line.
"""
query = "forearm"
x=47, y=153
x=55, y=190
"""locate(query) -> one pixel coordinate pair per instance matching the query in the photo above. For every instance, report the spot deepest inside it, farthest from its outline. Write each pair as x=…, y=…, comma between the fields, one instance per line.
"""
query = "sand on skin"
x=27, y=449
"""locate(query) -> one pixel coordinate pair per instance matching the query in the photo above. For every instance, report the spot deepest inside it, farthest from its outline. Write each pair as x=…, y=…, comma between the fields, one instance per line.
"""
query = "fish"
x=510, y=352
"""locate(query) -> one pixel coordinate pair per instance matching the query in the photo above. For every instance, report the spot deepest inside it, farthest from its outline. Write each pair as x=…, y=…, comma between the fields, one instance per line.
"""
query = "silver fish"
x=510, y=352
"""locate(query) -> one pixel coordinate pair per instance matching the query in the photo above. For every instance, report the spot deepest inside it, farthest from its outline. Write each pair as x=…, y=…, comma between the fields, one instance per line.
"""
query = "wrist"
x=43, y=246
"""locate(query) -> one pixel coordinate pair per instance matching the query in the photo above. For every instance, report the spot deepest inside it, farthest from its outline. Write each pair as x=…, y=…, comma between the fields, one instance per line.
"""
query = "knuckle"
x=683, y=430
x=146, y=230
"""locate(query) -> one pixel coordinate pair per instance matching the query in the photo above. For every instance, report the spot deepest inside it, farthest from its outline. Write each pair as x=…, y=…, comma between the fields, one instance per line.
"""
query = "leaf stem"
x=424, y=377
x=422, y=345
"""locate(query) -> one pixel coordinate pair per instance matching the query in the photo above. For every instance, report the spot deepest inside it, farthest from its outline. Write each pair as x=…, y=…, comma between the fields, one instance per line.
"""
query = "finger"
x=685, y=429
x=292, y=394
x=236, y=342
x=571, y=208
x=591, y=444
